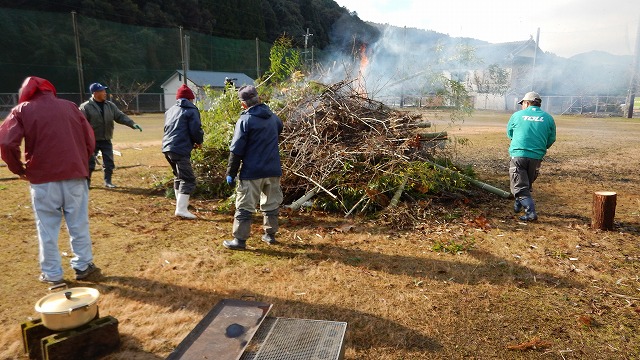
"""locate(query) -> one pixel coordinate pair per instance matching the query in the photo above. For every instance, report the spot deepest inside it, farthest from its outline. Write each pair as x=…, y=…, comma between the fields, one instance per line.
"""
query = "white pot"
x=68, y=309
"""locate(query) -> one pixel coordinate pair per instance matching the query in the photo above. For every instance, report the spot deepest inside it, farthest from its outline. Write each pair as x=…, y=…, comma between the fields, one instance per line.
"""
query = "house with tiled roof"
x=506, y=74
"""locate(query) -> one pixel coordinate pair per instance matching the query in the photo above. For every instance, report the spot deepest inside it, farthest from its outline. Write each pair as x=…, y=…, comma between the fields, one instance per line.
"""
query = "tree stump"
x=604, y=210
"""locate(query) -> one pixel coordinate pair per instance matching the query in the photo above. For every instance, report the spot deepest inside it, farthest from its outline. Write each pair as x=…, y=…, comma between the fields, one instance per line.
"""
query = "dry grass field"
x=553, y=289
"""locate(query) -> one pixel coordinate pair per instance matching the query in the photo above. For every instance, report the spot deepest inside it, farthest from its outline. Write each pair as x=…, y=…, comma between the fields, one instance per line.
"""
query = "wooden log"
x=398, y=193
x=480, y=184
x=306, y=197
x=604, y=210
x=432, y=136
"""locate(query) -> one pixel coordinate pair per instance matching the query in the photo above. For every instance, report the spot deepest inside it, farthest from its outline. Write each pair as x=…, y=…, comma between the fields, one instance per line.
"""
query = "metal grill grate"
x=258, y=339
x=298, y=339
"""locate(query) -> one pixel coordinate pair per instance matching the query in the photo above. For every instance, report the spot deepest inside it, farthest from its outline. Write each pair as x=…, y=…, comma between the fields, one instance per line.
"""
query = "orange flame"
x=364, y=62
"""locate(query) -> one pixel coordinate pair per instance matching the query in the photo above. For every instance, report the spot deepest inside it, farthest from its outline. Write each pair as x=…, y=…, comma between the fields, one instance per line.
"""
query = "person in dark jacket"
x=255, y=146
x=102, y=114
x=58, y=142
x=182, y=132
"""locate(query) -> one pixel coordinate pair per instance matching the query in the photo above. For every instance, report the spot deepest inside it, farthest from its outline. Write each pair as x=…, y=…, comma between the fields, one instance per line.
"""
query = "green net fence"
x=43, y=44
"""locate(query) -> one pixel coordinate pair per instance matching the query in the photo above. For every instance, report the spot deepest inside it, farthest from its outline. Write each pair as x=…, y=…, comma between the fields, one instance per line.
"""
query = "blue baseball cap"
x=96, y=87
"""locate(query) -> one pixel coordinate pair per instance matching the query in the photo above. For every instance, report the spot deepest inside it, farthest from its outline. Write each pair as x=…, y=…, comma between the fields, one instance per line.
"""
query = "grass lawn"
x=471, y=281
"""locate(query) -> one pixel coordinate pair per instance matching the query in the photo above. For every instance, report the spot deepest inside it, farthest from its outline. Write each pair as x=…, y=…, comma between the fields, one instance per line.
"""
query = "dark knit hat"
x=247, y=92
x=185, y=93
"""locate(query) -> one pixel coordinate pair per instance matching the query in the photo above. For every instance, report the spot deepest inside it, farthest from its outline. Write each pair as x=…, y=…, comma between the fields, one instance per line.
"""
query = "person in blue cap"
x=102, y=114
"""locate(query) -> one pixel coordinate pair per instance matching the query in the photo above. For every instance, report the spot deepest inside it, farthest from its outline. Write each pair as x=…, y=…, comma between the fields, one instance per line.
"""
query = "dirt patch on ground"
x=471, y=282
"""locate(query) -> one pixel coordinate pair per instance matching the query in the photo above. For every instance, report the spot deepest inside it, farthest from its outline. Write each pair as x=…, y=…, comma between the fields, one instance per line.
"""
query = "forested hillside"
x=138, y=41
x=246, y=19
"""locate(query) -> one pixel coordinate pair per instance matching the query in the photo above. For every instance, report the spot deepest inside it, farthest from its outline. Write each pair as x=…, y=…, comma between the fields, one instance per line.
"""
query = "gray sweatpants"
x=264, y=192
x=522, y=173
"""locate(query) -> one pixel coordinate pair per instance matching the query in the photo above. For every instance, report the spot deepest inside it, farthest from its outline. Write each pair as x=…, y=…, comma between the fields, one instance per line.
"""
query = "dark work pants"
x=108, y=165
x=522, y=173
x=183, y=178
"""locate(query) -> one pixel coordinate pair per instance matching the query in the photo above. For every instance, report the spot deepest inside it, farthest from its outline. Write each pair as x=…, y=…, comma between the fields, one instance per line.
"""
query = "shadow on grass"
x=128, y=346
x=360, y=324
x=563, y=220
x=10, y=178
x=632, y=228
x=128, y=190
x=491, y=269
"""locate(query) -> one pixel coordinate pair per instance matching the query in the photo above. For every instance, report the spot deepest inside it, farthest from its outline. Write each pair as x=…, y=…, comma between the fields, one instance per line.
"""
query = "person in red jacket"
x=58, y=142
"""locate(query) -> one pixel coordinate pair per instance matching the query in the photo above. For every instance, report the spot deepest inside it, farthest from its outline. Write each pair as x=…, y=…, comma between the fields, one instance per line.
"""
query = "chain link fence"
x=557, y=105
x=139, y=103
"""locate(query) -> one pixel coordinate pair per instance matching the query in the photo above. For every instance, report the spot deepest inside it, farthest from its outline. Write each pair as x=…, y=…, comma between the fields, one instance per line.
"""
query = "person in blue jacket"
x=255, y=146
x=532, y=131
x=182, y=133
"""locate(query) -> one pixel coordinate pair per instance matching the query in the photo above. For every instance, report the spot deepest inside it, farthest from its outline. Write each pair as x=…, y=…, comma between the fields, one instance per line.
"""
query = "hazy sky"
x=567, y=27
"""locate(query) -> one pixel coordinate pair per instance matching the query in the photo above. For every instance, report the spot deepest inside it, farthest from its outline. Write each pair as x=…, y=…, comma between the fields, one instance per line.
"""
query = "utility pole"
x=306, y=41
x=535, y=56
x=631, y=94
x=78, y=56
x=257, y=58
x=404, y=60
x=182, y=55
x=187, y=53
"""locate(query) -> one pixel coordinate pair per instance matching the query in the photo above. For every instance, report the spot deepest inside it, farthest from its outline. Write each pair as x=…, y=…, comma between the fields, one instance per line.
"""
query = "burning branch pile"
x=351, y=150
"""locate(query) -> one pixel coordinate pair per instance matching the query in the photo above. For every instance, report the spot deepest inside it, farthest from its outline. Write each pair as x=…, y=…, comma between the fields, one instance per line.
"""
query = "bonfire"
x=350, y=151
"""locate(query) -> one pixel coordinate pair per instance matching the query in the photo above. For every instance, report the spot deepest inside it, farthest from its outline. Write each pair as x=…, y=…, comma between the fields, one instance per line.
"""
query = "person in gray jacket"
x=102, y=114
x=182, y=133
x=255, y=147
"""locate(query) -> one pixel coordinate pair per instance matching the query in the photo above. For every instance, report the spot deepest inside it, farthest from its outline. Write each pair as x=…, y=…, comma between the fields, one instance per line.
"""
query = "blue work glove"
x=136, y=126
x=229, y=180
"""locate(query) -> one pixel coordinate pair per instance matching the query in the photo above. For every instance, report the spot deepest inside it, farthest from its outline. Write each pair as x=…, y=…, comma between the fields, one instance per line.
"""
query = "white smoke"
x=407, y=62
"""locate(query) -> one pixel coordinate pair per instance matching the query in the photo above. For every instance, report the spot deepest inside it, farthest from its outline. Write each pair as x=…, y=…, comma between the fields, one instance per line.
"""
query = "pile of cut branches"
x=354, y=153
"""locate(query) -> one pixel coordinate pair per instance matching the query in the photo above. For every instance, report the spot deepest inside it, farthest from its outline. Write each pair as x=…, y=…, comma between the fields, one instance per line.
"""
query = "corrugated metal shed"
x=197, y=80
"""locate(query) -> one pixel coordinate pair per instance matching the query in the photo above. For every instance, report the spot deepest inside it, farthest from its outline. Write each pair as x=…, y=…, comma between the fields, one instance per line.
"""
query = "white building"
x=197, y=80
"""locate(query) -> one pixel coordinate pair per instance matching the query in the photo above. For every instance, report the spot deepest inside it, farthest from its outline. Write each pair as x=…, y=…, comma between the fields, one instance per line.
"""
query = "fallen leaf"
x=534, y=344
x=480, y=222
x=586, y=320
x=345, y=228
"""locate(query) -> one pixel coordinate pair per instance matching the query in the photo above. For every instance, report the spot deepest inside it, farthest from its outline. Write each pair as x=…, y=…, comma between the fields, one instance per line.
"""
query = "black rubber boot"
x=107, y=179
x=269, y=239
x=517, y=206
x=529, y=209
x=235, y=244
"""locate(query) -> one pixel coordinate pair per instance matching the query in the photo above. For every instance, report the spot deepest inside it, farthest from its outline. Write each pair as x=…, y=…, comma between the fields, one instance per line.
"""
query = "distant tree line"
x=246, y=19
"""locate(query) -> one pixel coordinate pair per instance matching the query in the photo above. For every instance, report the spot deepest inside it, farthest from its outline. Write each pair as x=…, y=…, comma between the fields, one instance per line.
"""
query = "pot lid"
x=67, y=300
